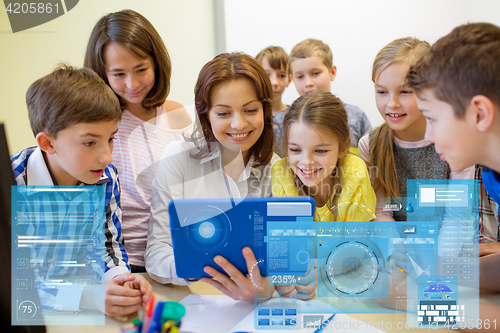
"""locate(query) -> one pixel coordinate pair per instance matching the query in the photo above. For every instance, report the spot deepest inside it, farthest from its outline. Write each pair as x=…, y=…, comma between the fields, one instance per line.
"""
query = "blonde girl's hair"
x=325, y=113
x=408, y=51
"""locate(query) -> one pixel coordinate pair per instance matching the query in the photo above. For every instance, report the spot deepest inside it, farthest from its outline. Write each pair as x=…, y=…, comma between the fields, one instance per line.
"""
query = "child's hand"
x=304, y=290
x=296, y=291
x=488, y=248
x=141, y=284
x=239, y=286
x=120, y=297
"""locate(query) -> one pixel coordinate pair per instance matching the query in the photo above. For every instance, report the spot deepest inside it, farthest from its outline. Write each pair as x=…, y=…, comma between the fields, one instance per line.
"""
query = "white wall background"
x=191, y=30
x=355, y=31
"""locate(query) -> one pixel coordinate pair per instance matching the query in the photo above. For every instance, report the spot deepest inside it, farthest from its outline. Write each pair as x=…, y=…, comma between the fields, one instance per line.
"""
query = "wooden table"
x=161, y=292
x=177, y=293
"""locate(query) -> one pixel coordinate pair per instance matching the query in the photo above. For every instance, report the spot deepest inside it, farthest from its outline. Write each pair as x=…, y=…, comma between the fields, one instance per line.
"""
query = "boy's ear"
x=289, y=80
x=482, y=112
x=44, y=141
x=333, y=72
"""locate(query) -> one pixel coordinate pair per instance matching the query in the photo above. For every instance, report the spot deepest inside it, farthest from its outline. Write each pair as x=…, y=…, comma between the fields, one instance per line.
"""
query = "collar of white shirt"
x=37, y=171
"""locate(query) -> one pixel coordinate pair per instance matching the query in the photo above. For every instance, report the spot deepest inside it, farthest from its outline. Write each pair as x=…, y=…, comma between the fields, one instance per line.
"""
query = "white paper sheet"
x=213, y=313
x=220, y=314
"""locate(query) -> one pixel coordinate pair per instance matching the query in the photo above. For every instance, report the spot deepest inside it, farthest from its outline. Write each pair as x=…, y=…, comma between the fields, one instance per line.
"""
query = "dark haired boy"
x=457, y=84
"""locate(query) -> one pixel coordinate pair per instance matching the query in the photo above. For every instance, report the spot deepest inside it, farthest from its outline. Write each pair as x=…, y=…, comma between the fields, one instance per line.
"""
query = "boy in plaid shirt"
x=74, y=116
x=456, y=85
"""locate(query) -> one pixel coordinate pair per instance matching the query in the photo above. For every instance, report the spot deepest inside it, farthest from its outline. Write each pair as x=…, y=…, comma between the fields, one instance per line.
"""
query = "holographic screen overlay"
x=438, y=199
x=204, y=228
x=361, y=263
x=281, y=313
x=301, y=237
x=58, y=255
x=435, y=199
x=438, y=300
x=291, y=255
x=443, y=301
x=459, y=202
x=453, y=203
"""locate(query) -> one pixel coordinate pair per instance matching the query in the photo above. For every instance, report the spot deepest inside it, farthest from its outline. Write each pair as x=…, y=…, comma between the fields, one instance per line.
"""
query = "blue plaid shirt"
x=116, y=259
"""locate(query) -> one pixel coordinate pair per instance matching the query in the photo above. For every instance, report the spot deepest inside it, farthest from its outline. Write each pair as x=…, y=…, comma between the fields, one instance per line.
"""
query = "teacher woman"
x=229, y=155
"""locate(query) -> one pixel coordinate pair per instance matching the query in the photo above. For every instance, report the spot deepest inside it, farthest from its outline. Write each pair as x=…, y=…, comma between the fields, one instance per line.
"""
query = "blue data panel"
x=442, y=199
x=58, y=248
x=290, y=314
x=359, y=264
x=290, y=250
x=442, y=301
x=451, y=298
x=352, y=259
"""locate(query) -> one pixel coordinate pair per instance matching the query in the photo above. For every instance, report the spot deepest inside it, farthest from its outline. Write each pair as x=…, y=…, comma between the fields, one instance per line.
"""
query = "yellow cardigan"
x=356, y=201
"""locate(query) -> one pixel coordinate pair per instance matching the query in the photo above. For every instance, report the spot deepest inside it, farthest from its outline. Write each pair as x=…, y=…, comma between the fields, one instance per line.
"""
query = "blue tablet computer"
x=278, y=230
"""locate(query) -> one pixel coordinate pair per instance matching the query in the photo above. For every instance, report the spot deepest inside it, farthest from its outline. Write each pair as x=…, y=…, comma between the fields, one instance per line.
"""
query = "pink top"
x=137, y=151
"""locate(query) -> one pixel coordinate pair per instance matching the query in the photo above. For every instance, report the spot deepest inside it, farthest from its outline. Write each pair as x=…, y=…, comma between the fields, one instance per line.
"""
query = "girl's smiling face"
x=313, y=155
x=397, y=104
x=236, y=116
x=130, y=76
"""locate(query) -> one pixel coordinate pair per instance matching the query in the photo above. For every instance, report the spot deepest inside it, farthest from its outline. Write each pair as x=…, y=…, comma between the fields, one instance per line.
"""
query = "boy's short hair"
x=276, y=56
x=312, y=47
x=69, y=96
x=461, y=65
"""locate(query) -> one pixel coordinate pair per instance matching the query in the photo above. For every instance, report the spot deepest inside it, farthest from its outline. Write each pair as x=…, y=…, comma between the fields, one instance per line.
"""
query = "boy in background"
x=274, y=60
x=74, y=116
x=312, y=68
x=457, y=88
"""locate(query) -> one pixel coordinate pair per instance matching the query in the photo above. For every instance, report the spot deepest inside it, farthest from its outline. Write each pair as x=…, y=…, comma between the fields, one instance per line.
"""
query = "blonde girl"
x=318, y=164
x=396, y=150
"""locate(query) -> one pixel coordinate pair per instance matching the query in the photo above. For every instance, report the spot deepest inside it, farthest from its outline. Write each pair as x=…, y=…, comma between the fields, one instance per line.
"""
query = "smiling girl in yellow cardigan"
x=316, y=134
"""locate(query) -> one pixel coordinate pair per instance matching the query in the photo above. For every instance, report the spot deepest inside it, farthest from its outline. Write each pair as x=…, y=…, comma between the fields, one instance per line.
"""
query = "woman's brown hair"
x=227, y=67
x=325, y=113
x=135, y=33
x=407, y=51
